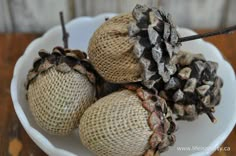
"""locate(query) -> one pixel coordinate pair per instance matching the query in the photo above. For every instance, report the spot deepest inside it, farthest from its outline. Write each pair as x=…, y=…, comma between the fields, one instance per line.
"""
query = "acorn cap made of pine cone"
x=123, y=124
x=195, y=87
x=59, y=90
x=135, y=47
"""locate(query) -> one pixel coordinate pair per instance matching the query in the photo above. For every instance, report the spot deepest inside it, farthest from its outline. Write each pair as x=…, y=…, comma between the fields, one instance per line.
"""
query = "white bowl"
x=197, y=138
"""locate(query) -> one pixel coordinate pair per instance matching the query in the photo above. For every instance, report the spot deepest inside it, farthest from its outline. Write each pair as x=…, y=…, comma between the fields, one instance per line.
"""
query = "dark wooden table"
x=13, y=138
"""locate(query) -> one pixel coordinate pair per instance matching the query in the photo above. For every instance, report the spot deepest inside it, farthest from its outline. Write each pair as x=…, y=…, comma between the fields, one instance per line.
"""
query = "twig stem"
x=65, y=35
x=214, y=33
x=212, y=118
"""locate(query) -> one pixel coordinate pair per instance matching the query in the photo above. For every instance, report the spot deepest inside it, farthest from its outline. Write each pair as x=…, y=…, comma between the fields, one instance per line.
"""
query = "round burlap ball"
x=116, y=125
x=57, y=100
x=110, y=51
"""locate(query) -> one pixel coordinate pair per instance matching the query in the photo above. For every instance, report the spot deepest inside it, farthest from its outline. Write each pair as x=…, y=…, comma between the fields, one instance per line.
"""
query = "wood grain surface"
x=13, y=138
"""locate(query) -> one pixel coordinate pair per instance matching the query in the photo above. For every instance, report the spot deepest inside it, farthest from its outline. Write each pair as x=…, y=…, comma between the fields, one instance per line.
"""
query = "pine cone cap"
x=59, y=90
x=135, y=47
x=121, y=124
x=195, y=87
x=156, y=43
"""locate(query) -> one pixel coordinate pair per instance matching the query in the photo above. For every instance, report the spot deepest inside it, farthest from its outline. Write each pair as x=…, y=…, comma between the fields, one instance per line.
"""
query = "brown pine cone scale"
x=64, y=60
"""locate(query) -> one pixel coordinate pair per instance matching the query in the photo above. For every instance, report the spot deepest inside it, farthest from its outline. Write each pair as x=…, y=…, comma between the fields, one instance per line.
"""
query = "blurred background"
x=40, y=15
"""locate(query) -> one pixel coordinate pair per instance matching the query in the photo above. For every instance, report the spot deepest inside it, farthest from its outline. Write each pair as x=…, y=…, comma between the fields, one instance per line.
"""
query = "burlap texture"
x=116, y=125
x=110, y=51
x=57, y=100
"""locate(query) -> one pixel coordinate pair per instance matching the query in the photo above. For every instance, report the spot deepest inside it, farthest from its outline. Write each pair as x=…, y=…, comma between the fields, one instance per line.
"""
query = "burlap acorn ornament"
x=110, y=51
x=195, y=87
x=135, y=47
x=59, y=90
x=124, y=123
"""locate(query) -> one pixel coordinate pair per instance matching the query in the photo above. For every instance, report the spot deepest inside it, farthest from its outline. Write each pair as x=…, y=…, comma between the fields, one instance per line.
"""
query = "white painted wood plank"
x=37, y=15
x=5, y=18
x=94, y=7
x=79, y=7
x=232, y=13
x=195, y=13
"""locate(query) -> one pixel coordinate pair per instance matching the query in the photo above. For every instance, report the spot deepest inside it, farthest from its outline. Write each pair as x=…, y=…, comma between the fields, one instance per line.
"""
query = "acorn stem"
x=212, y=118
x=65, y=35
x=208, y=34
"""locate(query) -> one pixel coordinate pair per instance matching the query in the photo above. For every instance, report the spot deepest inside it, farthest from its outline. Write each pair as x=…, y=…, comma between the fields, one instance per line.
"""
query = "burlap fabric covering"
x=110, y=51
x=119, y=128
x=57, y=100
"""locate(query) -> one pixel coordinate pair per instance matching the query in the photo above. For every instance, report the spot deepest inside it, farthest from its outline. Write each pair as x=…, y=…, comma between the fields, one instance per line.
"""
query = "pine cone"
x=123, y=124
x=195, y=87
x=157, y=43
x=135, y=47
x=59, y=90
